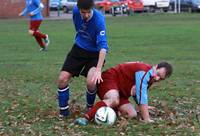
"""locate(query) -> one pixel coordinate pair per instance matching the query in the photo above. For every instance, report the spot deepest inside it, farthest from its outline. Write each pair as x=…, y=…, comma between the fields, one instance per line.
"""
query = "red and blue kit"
x=34, y=9
x=123, y=77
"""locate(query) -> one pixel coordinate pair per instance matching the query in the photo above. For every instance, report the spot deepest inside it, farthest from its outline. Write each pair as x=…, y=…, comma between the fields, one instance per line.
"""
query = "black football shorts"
x=79, y=61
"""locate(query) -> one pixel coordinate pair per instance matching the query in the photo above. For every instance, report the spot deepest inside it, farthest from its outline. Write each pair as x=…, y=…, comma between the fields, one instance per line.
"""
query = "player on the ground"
x=131, y=79
x=87, y=54
x=34, y=10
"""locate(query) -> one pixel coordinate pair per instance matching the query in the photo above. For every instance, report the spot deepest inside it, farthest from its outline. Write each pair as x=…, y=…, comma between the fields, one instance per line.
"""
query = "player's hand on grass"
x=97, y=76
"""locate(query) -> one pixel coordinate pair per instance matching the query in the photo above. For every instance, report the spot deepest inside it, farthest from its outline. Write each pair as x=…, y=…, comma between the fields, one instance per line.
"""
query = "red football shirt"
x=125, y=75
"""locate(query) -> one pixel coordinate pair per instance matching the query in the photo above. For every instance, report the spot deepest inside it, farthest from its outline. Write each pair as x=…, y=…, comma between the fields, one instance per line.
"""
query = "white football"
x=105, y=115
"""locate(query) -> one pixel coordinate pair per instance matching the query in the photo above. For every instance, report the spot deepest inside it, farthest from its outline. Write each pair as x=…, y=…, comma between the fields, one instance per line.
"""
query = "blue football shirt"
x=91, y=34
x=142, y=79
x=34, y=7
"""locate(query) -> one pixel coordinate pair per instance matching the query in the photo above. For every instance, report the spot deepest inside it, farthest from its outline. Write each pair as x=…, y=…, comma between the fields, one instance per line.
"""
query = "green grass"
x=28, y=77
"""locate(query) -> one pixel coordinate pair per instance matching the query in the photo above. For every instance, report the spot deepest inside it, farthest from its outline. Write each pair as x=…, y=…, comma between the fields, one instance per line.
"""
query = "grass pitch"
x=28, y=77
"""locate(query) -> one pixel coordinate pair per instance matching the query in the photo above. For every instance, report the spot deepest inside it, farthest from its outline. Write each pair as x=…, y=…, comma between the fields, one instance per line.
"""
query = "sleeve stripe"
x=37, y=10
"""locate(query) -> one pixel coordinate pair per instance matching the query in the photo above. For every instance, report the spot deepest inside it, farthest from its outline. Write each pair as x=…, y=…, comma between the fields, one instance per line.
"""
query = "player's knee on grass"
x=127, y=114
x=128, y=110
x=30, y=32
x=63, y=79
x=132, y=114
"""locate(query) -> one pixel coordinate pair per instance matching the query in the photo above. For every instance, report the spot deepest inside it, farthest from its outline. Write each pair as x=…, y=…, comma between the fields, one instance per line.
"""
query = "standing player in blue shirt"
x=34, y=10
x=87, y=54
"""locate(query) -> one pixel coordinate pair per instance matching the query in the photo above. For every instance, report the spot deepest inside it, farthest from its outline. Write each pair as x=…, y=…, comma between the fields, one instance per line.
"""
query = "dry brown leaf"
x=122, y=124
x=75, y=109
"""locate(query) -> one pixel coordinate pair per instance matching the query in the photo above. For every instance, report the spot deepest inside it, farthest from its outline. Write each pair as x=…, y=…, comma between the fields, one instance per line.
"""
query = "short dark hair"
x=85, y=4
x=167, y=66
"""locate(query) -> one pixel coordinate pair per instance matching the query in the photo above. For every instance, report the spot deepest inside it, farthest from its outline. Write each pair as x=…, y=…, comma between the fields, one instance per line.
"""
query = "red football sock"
x=39, y=41
x=38, y=34
x=91, y=113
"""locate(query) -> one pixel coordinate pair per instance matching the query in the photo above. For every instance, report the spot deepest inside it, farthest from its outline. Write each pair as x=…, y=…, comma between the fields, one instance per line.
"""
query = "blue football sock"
x=90, y=97
x=63, y=98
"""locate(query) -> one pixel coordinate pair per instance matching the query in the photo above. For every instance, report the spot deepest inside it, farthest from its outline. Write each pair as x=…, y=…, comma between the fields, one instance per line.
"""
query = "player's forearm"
x=144, y=112
x=102, y=55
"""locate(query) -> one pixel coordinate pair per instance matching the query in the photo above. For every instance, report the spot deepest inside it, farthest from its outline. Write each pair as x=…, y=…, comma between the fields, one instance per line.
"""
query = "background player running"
x=34, y=10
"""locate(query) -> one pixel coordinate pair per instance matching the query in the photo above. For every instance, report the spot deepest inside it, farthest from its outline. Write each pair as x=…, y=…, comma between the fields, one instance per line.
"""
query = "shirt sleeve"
x=75, y=12
x=141, y=79
x=24, y=12
x=101, y=34
x=39, y=5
